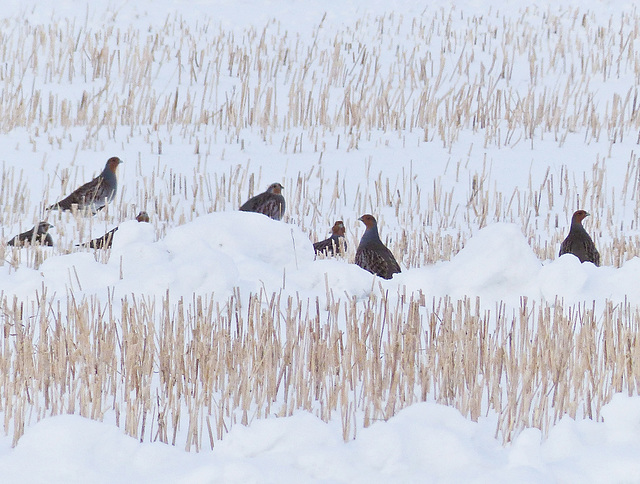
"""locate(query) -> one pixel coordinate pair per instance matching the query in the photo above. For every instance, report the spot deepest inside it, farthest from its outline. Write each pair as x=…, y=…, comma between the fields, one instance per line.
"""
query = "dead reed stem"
x=186, y=373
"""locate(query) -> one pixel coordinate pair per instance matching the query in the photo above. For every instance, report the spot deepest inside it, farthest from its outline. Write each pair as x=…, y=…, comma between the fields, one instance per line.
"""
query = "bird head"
x=368, y=220
x=338, y=228
x=43, y=227
x=143, y=217
x=579, y=216
x=113, y=162
x=275, y=188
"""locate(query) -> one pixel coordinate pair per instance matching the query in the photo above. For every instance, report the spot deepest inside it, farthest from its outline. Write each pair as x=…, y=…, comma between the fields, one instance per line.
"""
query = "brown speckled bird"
x=372, y=255
x=106, y=240
x=336, y=244
x=270, y=203
x=38, y=235
x=578, y=242
x=95, y=194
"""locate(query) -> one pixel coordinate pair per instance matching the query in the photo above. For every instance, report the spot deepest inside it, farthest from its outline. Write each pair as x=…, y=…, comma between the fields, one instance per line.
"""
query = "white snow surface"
x=219, y=252
x=422, y=443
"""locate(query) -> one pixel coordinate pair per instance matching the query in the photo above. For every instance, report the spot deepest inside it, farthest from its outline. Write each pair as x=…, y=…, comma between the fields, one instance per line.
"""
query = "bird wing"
x=103, y=242
x=328, y=246
x=20, y=239
x=92, y=193
x=324, y=245
x=582, y=247
x=378, y=260
x=252, y=204
x=331, y=245
x=27, y=238
x=269, y=204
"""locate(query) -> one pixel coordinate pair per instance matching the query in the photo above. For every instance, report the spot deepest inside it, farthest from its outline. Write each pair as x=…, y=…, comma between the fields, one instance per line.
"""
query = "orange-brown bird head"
x=143, y=217
x=368, y=220
x=113, y=162
x=338, y=228
x=579, y=216
x=275, y=188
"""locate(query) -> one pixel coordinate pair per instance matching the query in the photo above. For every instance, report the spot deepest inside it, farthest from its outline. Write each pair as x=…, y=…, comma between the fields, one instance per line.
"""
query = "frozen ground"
x=496, y=201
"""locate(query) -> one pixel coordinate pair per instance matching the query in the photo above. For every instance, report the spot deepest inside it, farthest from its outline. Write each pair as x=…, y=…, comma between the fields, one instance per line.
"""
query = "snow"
x=425, y=442
x=193, y=247
x=220, y=251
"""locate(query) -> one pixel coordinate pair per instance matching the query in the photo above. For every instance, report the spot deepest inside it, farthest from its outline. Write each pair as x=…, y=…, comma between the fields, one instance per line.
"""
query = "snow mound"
x=425, y=442
x=212, y=254
x=496, y=260
x=218, y=252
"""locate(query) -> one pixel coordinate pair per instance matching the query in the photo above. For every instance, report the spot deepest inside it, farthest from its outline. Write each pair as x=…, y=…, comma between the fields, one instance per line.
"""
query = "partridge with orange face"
x=578, y=242
x=336, y=244
x=93, y=195
x=372, y=255
x=270, y=203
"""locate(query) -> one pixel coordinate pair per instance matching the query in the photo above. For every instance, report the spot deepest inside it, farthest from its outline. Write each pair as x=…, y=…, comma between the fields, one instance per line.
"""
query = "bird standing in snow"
x=105, y=241
x=38, y=235
x=578, y=242
x=336, y=244
x=95, y=194
x=270, y=203
x=372, y=255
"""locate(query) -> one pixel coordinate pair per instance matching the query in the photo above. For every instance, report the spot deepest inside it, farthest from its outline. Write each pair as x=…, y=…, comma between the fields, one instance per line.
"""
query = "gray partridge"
x=578, y=242
x=336, y=244
x=106, y=240
x=38, y=235
x=270, y=203
x=93, y=195
x=372, y=255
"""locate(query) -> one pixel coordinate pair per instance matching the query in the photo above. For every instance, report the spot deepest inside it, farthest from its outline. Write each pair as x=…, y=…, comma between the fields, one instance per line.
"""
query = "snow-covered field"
x=211, y=346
